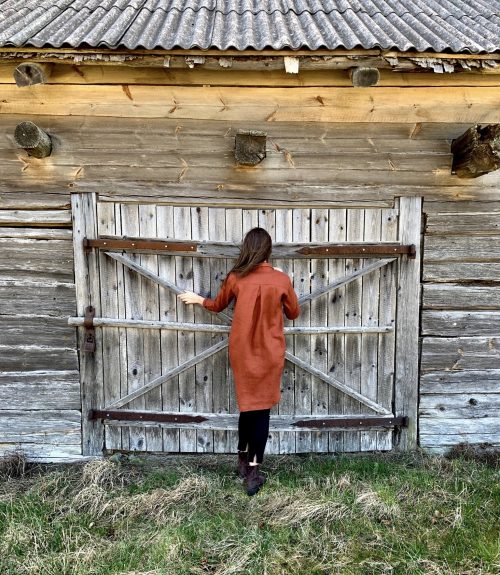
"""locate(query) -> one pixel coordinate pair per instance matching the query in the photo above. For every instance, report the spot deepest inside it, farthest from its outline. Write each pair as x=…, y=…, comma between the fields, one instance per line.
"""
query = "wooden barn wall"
x=160, y=136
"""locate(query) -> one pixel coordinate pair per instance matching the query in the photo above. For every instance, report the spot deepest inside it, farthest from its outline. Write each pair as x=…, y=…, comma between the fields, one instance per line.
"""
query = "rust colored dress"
x=256, y=340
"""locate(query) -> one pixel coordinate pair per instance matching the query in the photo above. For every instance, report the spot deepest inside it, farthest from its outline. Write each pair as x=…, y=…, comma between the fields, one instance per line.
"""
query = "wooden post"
x=31, y=73
x=33, y=139
x=407, y=324
x=477, y=151
x=84, y=212
x=250, y=147
x=364, y=77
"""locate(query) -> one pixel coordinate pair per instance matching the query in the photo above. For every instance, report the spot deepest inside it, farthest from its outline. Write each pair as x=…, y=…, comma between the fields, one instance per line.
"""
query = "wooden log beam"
x=33, y=139
x=477, y=151
x=30, y=73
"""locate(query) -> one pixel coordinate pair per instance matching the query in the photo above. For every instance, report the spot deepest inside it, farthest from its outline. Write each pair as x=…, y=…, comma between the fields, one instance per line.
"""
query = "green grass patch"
x=398, y=514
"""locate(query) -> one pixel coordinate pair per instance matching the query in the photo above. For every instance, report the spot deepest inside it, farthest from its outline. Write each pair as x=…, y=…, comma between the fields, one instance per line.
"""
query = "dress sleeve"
x=291, y=303
x=224, y=297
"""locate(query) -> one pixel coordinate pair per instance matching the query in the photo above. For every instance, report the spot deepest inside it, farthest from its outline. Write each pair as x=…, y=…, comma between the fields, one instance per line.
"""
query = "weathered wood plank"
x=370, y=316
x=36, y=233
x=151, y=342
x=23, y=200
x=34, y=218
x=21, y=329
x=301, y=221
x=337, y=232
x=168, y=312
x=286, y=406
x=476, y=207
x=134, y=308
x=107, y=178
x=442, y=442
x=164, y=159
x=461, y=297
x=393, y=105
x=55, y=299
x=439, y=353
x=387, y=315
x=318, y=315
x=72, y=132
x=185, y=340
x=471, y=405
x=220, y=387
x=455, y=271
x=460, y=322
x=482, y=224
x=407, y=323
x=50, y=453
x=451, y=382
x=353, y=306
x=486, y=426
x=204, y=370
x=462, y=249
x=41, y=426
x=28, y=259
x=40, y=390
x=37, y=358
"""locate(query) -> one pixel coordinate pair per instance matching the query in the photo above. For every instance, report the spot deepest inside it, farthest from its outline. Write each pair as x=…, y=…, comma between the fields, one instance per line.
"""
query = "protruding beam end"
x=362, y=77
x=33, y=139
x=30, y=73
x=250, y=147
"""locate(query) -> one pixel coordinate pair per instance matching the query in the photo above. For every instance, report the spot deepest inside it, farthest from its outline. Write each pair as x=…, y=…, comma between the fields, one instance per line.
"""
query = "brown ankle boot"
x=242, y=464
x=254, y=480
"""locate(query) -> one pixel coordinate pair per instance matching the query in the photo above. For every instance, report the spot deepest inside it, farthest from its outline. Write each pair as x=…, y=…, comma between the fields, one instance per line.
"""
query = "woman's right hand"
x=190, y=297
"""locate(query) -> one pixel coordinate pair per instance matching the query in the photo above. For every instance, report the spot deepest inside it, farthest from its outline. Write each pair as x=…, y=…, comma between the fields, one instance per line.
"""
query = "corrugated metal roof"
x=422, y=25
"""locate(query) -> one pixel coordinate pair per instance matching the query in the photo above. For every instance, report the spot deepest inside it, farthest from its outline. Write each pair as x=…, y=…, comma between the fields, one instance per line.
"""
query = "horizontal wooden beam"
x=296, y=105
x=215, y=328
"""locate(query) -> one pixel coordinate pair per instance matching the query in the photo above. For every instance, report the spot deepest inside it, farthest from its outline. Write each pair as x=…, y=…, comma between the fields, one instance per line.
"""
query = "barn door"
x=155, y=373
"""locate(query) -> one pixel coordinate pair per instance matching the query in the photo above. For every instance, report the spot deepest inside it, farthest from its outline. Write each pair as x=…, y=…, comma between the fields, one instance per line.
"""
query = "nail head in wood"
x=30, y=73
x=250, y=147
x=477, y=151
x=362, y=77
x=33, y=139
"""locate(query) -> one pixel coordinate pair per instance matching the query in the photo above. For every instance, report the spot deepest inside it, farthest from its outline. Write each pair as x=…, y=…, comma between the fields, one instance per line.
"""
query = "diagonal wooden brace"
x=337, y=384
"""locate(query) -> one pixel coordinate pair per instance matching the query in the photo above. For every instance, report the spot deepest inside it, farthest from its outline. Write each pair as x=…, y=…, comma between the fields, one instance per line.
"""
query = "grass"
x=370, y=514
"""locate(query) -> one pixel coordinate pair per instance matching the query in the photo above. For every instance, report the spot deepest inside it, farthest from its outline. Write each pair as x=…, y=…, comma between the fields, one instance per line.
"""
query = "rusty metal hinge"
x=89, y=345
x=131, y=415
x=360, y=250
x=138, y=244
x=350, y=422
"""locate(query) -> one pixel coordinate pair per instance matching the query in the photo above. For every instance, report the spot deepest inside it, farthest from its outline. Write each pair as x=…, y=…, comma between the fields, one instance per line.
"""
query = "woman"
x=256, y=344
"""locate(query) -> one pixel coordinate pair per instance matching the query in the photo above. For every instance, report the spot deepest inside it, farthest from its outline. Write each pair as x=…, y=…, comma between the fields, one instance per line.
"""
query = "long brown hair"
x=255, y=249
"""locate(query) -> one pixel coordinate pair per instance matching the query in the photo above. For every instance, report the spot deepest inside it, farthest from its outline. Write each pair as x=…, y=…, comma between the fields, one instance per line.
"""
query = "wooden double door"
x=156, y=377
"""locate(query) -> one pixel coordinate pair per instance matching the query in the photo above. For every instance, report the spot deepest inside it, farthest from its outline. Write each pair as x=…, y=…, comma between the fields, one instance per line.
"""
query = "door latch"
x=88, y=323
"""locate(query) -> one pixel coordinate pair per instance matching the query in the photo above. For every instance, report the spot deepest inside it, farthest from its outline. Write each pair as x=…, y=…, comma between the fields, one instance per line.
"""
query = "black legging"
x=253, y=430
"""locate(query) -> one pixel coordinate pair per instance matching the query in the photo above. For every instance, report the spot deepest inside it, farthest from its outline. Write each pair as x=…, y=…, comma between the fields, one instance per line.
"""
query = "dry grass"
x=360, y=515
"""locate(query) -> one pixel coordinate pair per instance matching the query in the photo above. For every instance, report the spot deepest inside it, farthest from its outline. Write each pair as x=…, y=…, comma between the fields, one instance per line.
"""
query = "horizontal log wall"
x=460, y=365
x=39, y=379
x=167, y=136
